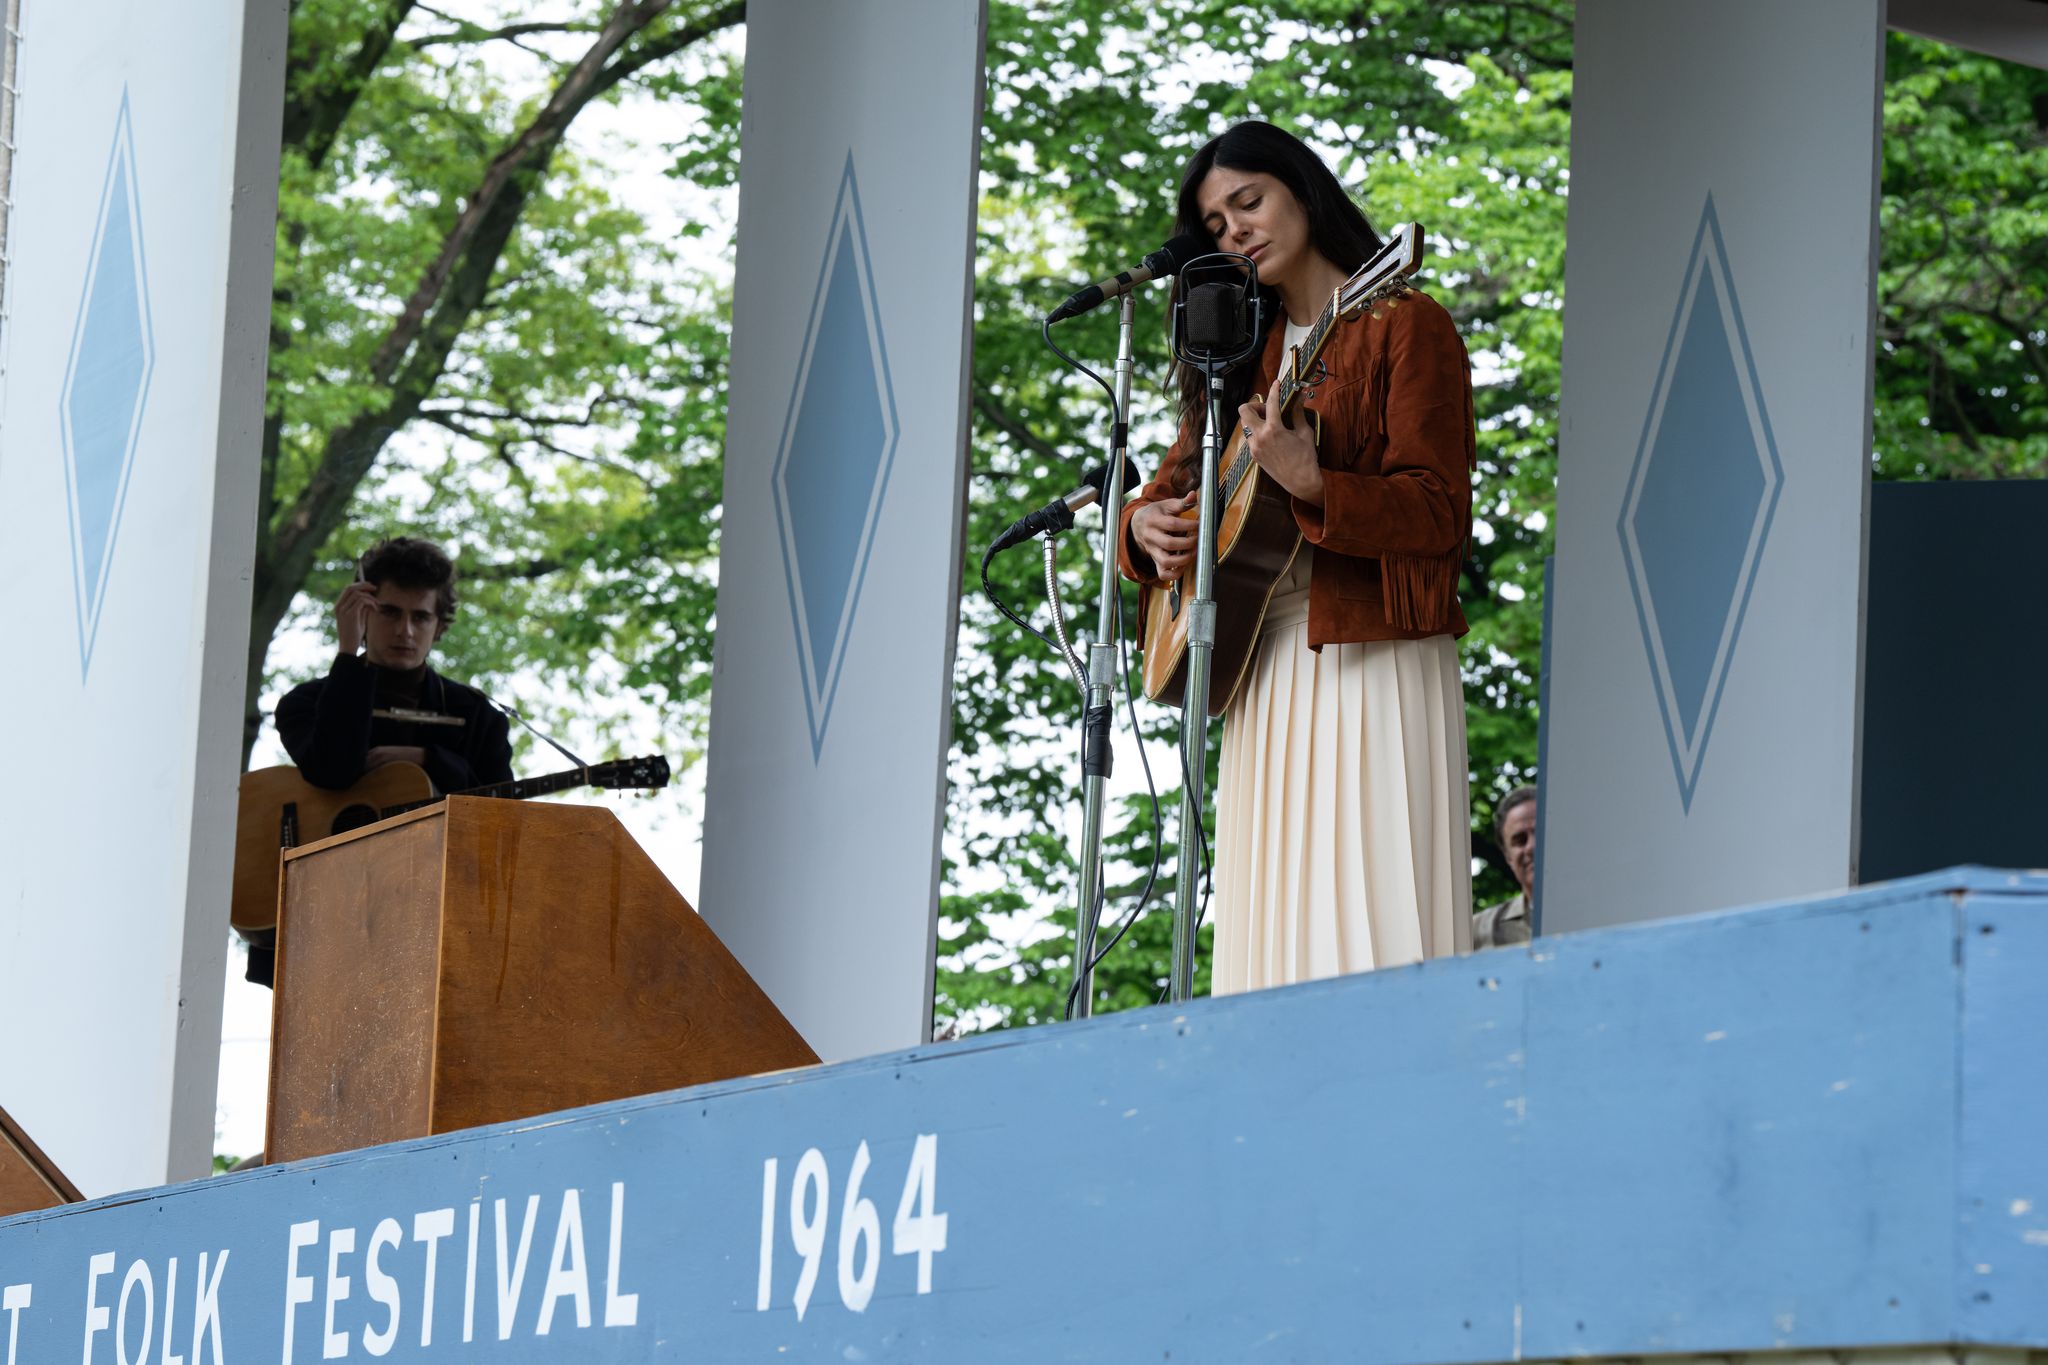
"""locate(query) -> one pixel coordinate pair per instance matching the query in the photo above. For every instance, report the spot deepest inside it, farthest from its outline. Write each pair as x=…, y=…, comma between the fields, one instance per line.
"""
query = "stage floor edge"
x=1820, y=1126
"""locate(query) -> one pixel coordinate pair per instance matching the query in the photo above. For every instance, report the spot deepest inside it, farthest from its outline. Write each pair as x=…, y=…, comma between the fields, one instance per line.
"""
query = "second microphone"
x=1058, y=515
x=1168, y=260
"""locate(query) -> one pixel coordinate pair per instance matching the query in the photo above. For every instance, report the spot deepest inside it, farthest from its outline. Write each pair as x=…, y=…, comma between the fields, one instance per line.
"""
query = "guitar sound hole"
x=353, y=817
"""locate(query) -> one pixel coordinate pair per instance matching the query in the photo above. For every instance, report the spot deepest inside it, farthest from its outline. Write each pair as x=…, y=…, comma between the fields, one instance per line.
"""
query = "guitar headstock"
x=1386, y=273
x=631, y=774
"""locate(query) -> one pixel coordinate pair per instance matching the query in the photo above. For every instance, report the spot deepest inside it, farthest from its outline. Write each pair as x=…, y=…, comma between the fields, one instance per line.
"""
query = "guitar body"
x=1256, y=542
x=321, y=813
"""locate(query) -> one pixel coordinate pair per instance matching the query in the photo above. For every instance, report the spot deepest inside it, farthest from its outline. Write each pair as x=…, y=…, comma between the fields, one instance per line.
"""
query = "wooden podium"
x=480, y=961
x=28, y=1179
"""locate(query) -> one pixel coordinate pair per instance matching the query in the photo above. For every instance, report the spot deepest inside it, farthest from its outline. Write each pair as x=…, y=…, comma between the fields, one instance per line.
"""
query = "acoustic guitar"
x=280, y=809
x=1257, y=537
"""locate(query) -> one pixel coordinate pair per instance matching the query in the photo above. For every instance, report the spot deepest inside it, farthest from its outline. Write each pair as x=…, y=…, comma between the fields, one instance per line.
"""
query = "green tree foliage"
x=1963, y=293
x=472, y=339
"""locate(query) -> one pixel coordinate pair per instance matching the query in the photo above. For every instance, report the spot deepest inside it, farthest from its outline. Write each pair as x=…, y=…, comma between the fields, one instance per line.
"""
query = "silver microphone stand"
x=1205, y=343
x=1194, y=714
x=1102, y=660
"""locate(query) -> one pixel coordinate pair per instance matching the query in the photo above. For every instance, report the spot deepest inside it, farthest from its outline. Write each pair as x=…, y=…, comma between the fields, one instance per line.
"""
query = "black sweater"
x=328, y=730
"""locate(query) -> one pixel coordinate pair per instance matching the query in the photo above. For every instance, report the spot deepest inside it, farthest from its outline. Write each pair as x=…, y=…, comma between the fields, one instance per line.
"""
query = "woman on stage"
x=1342, y=835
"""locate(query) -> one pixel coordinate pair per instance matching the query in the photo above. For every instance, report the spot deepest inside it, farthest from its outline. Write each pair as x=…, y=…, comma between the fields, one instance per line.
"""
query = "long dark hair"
x=1337, y=228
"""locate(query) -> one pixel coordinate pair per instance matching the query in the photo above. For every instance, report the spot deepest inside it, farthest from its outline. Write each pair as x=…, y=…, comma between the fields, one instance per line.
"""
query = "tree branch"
x=534, y=144
x=350, y=452
x=526, y=570
x=728, y=15
x=1940, y=375
x=415, y=349
x=2017, y=330
x=479, y=412
x=467, y=32
x=462, y=423
x=1557, y=19
x=1014, y=429
x=314, y=110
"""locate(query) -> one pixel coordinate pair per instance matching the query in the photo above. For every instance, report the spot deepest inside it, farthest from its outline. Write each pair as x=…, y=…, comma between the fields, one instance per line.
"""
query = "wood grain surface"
x=352, y=1021
x=28, y=1179
x=484, y=961
x=264, y=793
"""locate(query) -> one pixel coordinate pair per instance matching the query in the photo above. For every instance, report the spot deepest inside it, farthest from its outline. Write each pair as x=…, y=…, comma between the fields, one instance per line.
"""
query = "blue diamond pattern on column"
x=1699, y=502
x=106, y=383
x=832, y=470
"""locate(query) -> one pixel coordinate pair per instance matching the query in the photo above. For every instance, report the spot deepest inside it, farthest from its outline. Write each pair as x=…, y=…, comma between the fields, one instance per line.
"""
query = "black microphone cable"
x=1116, y=417
x=1144, y=896
x=1143, y=899
x=1082, y=953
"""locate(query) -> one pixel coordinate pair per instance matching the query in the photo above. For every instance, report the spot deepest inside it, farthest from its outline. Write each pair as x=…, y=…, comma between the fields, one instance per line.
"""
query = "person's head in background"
x=1514, y=829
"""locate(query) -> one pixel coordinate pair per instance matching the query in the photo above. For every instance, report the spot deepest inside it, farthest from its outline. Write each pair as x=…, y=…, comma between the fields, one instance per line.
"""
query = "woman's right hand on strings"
x=1163, y=533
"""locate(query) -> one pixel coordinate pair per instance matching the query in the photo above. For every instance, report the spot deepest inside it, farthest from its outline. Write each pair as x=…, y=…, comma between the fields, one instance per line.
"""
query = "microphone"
x=1215, y=318
x=1166, y=261
x=1219, y=313
x=1058, y=514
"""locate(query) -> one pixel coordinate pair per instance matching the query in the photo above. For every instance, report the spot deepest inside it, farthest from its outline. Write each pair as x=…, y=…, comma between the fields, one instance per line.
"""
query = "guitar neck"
x=517, y=790
x=1292, y=387
x=533, y=786
x=1386, y=274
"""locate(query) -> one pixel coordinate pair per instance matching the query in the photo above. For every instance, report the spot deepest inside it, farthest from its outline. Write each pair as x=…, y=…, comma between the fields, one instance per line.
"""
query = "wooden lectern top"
x=28, y=1179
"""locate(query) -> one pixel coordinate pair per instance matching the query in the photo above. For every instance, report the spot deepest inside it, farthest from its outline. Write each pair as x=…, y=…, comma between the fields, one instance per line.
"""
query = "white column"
x=1714, y=457
x=845, y=472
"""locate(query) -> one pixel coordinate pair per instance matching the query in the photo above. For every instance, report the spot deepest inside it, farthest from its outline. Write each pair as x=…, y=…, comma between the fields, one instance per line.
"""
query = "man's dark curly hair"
x=413, y=564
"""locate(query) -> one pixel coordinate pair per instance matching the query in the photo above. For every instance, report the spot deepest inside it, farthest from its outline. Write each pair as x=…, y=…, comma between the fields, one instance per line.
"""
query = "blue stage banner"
x=1809, y=1127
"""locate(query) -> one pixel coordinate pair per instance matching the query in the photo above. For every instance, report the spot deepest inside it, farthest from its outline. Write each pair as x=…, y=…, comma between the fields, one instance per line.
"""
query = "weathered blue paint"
x=838, y=442
x=1773, y=1128
x=2001, y=1265
x=1699, y=501
x=106, y=381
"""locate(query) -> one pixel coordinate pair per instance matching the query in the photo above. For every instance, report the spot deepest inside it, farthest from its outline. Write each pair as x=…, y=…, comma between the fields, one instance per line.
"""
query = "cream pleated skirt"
x=1342, y=834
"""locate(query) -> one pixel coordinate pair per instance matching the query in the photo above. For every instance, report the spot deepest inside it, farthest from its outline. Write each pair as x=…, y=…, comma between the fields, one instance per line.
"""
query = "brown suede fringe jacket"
x=1397, y=449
